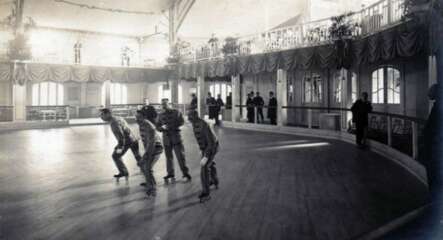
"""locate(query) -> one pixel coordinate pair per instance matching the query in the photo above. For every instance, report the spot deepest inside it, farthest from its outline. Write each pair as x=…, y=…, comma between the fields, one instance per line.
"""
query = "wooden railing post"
x=309, y=118
x=67, y=113
x=389, y=129
x=389, y=12
x=414, y=140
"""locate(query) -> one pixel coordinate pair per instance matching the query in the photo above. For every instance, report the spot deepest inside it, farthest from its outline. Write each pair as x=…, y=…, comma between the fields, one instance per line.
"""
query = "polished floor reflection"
x=57, y=184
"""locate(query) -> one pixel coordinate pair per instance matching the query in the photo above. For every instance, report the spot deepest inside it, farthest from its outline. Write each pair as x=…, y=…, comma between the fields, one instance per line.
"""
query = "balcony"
x=374, y=18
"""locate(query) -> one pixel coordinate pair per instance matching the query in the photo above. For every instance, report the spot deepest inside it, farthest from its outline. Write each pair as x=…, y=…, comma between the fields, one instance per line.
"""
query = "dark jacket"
x=211, y=103
x=219, y=104
x=360, y=111
x=194, y=103
x=173, y=119
x=229, y=102
x=258, y=101
x=272, y=108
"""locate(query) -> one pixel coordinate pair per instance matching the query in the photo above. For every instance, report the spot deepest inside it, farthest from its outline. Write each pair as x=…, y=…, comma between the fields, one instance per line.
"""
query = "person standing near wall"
x=219, y=102
x=146, y=119
x=211, y=106
x=208, y=143
x=432, y=152
x=126, y=140
x=360, y=110
x=194, y=102
x=272, y=108
x=259, y=103
x=250, y=108
x=229, y=101
x=169, y=123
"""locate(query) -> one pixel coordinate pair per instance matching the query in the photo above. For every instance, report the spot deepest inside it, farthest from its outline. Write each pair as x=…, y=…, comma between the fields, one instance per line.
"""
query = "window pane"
x=124, y=94
x=378, y=86
x=223, y=91
x=61, y=94
x=35, y=94
x=211, y=90
x=52, y=94
x=43, y=93
x=180, y=94
x=354, y=87
x=393, y=86
x=160, y=93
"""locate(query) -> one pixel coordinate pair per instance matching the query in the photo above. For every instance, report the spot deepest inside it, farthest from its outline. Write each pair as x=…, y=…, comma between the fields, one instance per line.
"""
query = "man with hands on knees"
x=126, y=140
x=208, y=143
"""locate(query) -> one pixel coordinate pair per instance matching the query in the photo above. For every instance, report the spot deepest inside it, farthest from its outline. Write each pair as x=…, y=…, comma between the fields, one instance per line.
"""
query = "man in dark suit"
x=272, y=108
x=360, y=110
x=259, y=103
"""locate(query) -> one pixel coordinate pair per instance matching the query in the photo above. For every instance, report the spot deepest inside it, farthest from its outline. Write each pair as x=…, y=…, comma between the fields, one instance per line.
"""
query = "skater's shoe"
x=187, y=176
x=204, y=197
x=120, y=175
x=151, y=192
x=168, y=178
x=214, y=184
x=143, y=184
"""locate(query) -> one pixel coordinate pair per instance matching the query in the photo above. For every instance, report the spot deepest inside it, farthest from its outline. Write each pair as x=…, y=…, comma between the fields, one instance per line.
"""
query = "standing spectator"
x=272, y=108
x=229, y=101
x=360, y=110
x=250, y=108
x=194, y=102
x=212, y=106
x=259, y=103
x=219, y=104
x=431, y=152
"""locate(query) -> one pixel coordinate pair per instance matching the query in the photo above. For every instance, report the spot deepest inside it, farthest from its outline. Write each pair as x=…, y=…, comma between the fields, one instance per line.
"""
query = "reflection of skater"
x=126, y=140
x=152, y=143
x=208, y=144
x=169, y=123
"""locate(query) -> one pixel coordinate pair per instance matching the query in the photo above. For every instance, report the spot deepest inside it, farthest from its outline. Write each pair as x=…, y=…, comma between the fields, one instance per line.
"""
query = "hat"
x=105, y=110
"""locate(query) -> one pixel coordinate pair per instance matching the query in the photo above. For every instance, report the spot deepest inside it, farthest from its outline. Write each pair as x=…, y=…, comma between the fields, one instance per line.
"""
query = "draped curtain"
x=21, y=73
x=403, y=41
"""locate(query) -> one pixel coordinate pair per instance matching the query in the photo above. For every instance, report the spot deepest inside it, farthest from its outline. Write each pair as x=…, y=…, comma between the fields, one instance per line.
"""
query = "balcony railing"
x=397, y=131
x=47, y=113
x=369, y=20
x=6, y=113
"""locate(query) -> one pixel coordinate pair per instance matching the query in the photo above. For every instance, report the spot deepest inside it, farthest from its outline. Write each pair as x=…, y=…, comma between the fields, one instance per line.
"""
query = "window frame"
x=57, y=94
x=395, y=99
x=309, y=91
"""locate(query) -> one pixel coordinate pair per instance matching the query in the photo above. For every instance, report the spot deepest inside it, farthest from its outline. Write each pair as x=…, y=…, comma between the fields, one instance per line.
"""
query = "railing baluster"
x=389, y=130
x=414, y=140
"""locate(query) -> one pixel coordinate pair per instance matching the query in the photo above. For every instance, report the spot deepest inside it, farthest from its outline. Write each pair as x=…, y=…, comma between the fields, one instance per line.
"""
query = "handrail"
x=46, y=106
x=392, y=115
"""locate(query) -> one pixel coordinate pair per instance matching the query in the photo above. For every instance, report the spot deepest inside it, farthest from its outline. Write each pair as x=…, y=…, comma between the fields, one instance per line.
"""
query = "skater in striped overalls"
x=208, y=143
x=146, y=119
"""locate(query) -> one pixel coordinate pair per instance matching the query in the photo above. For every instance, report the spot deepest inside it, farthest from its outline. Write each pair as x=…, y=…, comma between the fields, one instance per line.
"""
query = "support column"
x=201, y=96
x=173, y=86
x=282, y=99
x=107, y=94
x=235, y=88
x=19, y=102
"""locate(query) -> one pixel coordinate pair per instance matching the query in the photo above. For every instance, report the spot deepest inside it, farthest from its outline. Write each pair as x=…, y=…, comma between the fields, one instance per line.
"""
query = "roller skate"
x=120, y=175
x=187, y=177
x=151, y=193
x=214, y=183
x=169, y=179
x=204, y=197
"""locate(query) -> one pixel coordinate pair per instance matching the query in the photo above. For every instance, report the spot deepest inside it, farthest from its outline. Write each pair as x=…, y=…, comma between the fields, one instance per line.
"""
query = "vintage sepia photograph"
x=221, y=119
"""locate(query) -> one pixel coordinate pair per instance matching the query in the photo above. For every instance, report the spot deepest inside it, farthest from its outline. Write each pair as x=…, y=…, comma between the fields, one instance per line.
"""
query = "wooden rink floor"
x=58, y=184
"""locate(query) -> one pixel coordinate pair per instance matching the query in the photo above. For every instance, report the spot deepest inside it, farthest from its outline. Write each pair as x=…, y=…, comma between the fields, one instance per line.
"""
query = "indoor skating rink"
x=58, y=182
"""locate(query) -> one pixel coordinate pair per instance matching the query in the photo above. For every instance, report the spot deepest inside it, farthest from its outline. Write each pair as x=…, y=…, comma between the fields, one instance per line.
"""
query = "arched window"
x=47, y=94
x=386, y=85
x=118, y=94
x=313, y=88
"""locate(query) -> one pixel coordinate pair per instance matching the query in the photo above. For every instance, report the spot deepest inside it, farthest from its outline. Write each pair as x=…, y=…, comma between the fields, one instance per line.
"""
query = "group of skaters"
x=256, y=102
x=168, y=121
